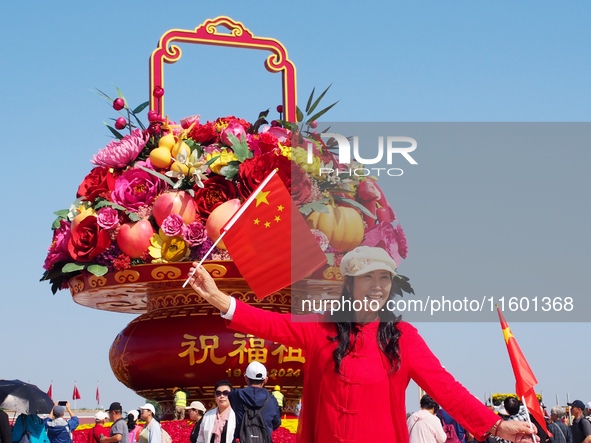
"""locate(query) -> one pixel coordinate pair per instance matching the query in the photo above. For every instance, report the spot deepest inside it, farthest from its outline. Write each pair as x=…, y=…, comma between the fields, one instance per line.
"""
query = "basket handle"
x=208, y=34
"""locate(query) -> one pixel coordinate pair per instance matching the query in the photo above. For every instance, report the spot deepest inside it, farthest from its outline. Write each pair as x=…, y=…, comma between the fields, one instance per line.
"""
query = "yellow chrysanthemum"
x=224, y=157
x=285, y=151
x=300, y=156
x=166, y=249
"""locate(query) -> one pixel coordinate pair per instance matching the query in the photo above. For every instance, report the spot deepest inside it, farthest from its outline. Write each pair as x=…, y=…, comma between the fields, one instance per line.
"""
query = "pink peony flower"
x=188, y=121
x=195, y=233
x=401, y=240
x=108, y=218
x=172, y=225
x=235, y=129
x=383, y=235
x=283, y=135
x=120, y=153
x=136, y=188
x=58, y=250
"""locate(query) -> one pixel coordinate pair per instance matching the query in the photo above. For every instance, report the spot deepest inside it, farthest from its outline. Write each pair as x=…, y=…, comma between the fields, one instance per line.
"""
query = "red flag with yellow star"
x=269, y=240
x=525, y=380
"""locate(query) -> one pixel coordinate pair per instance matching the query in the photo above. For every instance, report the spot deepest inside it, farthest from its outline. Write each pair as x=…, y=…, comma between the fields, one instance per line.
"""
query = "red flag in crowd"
x=269, y=240
x=76, y=393
x=525, y=380
x=98, y=395
x=50, y=391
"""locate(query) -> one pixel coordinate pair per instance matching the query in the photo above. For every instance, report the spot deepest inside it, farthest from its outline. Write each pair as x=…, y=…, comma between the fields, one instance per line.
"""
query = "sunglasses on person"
x=220, y=393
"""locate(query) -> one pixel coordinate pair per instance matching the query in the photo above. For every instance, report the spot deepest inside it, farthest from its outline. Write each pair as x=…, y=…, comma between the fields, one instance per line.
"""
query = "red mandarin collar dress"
x=366, y=402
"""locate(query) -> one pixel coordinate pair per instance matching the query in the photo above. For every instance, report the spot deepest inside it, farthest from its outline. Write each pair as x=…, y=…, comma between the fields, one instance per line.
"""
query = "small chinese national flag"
x=98, y=396
x=50, y=391
x=525, y=380
x=269, y=240
x=76, y=393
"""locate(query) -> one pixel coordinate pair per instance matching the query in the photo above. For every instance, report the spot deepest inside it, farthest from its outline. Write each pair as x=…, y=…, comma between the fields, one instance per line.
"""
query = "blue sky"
x=480, y=220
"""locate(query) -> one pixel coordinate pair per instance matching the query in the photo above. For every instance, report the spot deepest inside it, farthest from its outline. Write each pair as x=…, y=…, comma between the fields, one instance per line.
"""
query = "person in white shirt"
x=152, y=432
x=424, y=426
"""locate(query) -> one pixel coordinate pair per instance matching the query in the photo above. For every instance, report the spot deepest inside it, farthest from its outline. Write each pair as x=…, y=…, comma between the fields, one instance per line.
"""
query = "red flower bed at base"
x=179, y=430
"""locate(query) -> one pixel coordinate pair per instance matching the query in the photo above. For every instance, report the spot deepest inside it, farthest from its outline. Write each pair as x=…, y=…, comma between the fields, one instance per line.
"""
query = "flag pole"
x=527, y=413
x=570, y=416
x=219, y=239
x=232, y=220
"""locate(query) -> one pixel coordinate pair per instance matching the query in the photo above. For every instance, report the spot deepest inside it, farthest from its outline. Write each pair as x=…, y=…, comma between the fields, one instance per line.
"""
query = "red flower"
x=268, y=142
x=216, y=190
x=98, y=183
x=301, y=186
x=254, y=170
x=204, y=134
x=223, y=121
x=88, y=240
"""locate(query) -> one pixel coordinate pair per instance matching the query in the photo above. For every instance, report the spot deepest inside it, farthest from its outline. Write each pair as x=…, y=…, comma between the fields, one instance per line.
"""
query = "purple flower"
x=135, y=188
x=107, y=218
x=172, y=225
x=120, y=153
x=194, y=233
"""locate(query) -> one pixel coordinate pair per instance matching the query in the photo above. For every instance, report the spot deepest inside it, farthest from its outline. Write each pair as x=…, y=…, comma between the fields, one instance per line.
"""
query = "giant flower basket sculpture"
x=156, y=200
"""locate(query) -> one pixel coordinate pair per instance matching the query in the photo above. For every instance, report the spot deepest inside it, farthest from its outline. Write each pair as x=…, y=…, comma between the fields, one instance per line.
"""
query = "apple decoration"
x=134, y=238
x=176, y=202
x=219, y=217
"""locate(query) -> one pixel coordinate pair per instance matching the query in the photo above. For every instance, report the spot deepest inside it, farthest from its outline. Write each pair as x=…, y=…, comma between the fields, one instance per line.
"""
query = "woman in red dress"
x=359, y=363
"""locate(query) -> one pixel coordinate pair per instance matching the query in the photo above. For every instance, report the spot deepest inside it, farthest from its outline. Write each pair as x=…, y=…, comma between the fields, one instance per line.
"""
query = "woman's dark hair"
x=223, y=383
x=131, y=422
x=428, y=403
x=388, y=334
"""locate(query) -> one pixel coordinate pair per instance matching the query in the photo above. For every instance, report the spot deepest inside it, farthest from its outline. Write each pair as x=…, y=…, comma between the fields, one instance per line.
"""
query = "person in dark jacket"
x=253, y=397
x=5, y=430
x=196, y=411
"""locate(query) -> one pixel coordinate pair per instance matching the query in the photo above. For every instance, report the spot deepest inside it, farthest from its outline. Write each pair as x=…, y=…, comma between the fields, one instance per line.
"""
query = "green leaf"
x=230, y=171
x=293, y=127
x=120, y=94
x=330, y=259
x=240, y=147
x=317, y=206
x=98, y=270
x=264, y=114
x=310, y=100
x=212, y=160
x=116, y=133
x=105, y=96
x=62, y=213
x=311, y=109
x=355, y=204
x=299, y=114
x=133, y=216
x=157, y=174
x=140, y=108
x=321, y=113
x=139, y=122
x=72, y=267
x=102, y=203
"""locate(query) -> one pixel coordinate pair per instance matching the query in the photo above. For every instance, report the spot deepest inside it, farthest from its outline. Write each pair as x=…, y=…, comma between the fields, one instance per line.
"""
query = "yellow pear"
x=167, y=141
x=160, y=157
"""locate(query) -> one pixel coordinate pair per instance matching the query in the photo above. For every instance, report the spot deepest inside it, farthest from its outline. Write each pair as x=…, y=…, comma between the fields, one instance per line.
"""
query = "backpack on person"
x=450, y=431
x=253, y=428
x=166, y=438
